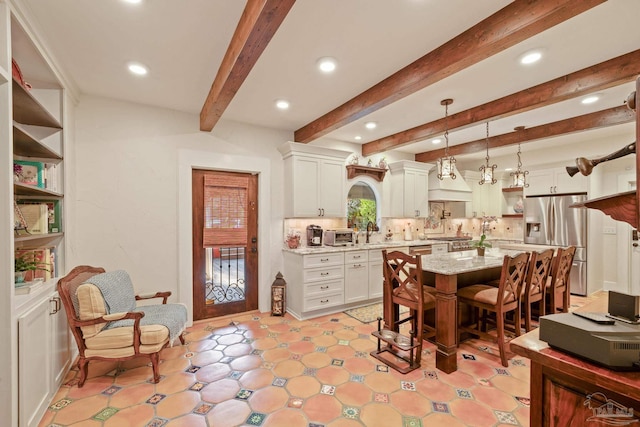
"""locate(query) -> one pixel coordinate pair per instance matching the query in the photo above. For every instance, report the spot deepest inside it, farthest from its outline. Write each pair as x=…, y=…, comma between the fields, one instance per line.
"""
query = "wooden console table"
x=561, y=383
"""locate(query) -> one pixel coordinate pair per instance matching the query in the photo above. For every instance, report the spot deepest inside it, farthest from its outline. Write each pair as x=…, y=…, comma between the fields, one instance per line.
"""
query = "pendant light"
x=487, y=172
x=446, y=164
x=519, y=176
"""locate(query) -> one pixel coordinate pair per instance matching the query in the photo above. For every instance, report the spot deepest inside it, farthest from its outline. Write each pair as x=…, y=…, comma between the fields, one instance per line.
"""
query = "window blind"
x=225, y=211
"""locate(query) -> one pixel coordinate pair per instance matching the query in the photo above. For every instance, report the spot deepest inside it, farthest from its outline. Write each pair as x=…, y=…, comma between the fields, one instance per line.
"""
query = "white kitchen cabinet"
x=356, y=276
x=555, y=181
x=315, y=283
x=44, y=356
x=315, y=180
x=410, y=189
x=376, y=275
x=486, y=199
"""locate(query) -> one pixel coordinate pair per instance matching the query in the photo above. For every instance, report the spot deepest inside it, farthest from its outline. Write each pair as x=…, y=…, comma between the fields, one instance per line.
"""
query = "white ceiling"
x=183, y=43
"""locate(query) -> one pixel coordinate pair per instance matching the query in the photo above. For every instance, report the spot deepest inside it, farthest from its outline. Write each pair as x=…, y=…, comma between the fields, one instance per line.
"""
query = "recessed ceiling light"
x=282, y=104
x=370, y=125
x=436, y=141
x=357, y=137
x=327, y=64
x=531, y=57
x=132, y=1
x=508, y=169
x=590, y=99
x=137, y=69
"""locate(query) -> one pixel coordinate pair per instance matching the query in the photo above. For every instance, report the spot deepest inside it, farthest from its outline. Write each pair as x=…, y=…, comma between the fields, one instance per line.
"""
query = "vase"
x=19, y=276
x=518, y=207
x=480, y=251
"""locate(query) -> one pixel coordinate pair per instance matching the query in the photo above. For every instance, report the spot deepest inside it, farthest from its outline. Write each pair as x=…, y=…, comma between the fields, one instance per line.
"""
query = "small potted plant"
x=293, y=239
x=480, y=245
x=27, y=262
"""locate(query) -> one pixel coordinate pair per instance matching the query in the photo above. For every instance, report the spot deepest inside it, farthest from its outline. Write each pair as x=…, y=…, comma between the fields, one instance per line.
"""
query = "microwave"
x=338, y=237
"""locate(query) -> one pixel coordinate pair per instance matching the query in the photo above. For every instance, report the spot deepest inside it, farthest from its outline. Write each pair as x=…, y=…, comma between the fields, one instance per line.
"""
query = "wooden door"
x=225, y=243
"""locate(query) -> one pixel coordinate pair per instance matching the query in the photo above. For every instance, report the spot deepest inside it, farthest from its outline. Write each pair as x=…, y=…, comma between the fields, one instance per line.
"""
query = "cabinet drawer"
x=321, y=260
x=439, y=248
x=322, y=274
x=355, y=257
x=324, y=288
x=323, y=301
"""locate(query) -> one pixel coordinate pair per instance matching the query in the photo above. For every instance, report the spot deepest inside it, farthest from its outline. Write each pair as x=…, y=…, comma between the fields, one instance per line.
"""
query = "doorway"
x=225, y=254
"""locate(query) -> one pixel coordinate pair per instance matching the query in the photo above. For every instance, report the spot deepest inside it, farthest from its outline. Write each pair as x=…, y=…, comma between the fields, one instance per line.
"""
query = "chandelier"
x=519, y=176
x=486, y=171
x=446, y=164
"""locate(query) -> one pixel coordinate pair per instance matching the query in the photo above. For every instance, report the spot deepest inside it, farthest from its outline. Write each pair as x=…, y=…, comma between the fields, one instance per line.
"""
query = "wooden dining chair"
x=558, y=290
x=403, y=287
x=490, y=304
x=534, y=289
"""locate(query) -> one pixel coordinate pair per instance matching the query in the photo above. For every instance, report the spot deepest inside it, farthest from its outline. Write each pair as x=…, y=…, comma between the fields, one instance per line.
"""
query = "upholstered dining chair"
x=535, y=284
x=485, y=299
x=403, y=287
x=558, y=290
x=106, y=323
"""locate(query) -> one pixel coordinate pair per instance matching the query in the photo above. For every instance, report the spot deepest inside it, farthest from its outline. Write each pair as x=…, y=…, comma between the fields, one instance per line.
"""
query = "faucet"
x=371, y=227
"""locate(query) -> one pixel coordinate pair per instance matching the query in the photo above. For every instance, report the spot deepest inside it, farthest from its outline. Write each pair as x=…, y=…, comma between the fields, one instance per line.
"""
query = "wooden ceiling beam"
x=514, y=23
x=259, y=22
x=610, y=117
x=623, y=69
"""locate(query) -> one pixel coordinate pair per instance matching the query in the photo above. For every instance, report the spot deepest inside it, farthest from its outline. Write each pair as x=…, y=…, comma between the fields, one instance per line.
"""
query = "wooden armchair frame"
x=68, y=285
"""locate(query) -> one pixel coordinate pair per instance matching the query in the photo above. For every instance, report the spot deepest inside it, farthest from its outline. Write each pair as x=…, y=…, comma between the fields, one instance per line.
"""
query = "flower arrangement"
x=27, y=262
x=480, y=245
x=293, y=239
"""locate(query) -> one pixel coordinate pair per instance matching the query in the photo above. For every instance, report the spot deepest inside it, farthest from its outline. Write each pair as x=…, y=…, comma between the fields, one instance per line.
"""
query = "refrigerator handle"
x=551, y=212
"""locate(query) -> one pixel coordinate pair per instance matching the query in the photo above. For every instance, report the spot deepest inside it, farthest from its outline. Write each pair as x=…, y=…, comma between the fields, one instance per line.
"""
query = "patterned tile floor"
x=258, y=370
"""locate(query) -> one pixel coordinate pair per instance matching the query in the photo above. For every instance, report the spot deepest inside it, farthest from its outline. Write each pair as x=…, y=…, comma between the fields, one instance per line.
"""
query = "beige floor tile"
x=177, y=404
x=269, y=399
x=303, y=386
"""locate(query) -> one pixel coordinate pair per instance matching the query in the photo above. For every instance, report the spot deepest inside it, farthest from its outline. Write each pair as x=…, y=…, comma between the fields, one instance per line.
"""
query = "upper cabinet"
x=314, y=181
x=409, y=188
x=555, y=181
x=486, y=199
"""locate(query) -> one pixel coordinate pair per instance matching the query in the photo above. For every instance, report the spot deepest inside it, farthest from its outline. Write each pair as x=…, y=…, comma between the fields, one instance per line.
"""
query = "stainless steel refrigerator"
x=550, y=221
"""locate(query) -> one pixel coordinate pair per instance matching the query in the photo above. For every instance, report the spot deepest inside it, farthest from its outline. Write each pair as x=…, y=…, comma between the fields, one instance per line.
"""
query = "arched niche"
x=363, y=203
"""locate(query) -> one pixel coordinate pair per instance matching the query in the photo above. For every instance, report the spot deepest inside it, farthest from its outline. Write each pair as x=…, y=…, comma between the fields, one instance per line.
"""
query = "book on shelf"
x=45, y=257
x=29, y=173
x=37, y=217
x=50, y=176
x=53, y=216
x=27, y=287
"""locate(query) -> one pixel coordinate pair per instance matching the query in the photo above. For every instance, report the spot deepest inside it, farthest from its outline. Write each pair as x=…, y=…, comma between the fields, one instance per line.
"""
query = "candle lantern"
x=278, y=296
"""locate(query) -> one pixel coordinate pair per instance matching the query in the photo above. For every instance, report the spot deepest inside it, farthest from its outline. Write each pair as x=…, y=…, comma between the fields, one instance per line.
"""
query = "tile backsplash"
x=502, y=228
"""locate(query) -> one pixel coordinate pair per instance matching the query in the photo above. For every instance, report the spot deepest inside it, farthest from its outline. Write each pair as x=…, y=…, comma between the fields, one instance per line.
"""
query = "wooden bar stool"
x=403, y=287
x=558, y=285
x=534, y=290
x=499, y=301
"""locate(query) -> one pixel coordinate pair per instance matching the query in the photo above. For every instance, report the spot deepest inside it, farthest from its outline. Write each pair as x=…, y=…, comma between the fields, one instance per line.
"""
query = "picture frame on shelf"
x=31, y=173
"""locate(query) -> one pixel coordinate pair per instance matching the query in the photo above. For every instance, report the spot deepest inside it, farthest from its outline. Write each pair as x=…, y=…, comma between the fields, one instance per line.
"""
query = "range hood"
x=448, y=190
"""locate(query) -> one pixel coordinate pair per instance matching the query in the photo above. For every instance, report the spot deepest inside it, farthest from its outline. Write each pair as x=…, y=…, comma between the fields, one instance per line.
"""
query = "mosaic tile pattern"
x=277, y=371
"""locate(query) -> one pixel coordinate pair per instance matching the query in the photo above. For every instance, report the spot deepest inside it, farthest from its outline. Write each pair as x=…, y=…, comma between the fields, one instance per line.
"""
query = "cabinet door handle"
x=56, y=305
x=324, y=260
x=324, y=287
x=356, y=256
x=324, y=301
x=324, y=273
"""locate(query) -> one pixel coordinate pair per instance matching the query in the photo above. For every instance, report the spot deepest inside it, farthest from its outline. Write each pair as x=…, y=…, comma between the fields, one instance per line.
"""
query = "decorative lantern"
x=278, y=296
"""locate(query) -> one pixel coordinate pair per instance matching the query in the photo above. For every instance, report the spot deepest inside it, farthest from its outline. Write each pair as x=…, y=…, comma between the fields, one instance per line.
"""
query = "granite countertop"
x=305, y=250
x=464, y=261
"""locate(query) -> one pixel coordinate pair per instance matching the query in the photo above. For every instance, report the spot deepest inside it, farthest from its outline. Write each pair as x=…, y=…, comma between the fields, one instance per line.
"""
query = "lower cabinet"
x=44, y=356
x=376, y=275
x=356, y=276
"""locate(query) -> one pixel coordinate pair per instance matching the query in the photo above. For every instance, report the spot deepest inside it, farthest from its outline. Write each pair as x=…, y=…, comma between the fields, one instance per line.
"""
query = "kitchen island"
x=448, y=272
x=570, y=391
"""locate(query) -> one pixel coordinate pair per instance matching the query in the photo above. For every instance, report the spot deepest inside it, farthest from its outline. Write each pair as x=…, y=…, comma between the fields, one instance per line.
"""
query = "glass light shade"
x=486, y=175
x=446, y=168
x=519, y=178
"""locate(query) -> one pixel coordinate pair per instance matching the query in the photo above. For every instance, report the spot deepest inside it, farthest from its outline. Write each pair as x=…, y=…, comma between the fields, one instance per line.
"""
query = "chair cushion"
x=90, y=306
x=485, y=294
x=428, y=294
x=123, y=337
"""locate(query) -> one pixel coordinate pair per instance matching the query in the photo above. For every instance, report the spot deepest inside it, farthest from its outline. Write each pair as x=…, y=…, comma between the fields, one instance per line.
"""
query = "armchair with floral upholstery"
x=107, y=324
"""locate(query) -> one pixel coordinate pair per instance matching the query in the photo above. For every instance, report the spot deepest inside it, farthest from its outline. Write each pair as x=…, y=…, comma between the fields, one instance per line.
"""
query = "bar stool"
x=558, y=285
x=534, y=290
x=499, y=301
x=403, y=287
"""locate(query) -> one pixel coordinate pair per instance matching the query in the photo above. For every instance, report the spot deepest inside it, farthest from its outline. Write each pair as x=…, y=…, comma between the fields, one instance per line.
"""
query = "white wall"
x=127, y=194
